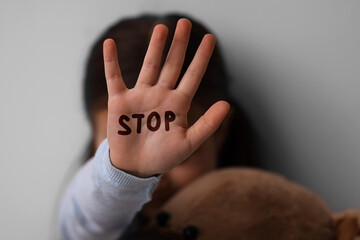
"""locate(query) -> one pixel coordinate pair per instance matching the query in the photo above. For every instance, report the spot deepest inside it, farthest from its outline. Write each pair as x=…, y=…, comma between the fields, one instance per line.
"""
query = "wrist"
x=129, y=171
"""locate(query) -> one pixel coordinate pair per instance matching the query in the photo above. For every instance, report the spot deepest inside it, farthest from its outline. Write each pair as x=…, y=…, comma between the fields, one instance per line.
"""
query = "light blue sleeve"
x=102, y=200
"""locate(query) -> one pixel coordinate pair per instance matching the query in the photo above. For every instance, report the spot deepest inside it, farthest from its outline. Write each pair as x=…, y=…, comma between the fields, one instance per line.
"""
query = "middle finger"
x=175, y=58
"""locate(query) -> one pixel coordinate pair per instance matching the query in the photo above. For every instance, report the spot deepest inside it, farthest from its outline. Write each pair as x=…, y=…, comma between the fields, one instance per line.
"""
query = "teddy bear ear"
x=347, y=225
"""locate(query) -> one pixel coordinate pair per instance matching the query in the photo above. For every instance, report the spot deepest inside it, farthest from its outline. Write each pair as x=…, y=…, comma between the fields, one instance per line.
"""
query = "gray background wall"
x=303, y=96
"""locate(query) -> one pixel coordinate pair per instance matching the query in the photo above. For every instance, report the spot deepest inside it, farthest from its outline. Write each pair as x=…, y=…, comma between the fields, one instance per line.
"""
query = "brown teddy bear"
x=244, y=203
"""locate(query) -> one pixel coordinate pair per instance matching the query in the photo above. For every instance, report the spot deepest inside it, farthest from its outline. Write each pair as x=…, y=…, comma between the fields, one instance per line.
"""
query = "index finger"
x=114, y=80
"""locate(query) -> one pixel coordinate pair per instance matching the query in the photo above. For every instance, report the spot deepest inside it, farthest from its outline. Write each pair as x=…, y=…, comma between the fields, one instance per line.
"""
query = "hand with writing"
x=147, y=127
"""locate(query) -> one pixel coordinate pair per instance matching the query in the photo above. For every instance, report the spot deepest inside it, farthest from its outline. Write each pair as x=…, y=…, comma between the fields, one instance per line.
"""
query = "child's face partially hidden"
x=203, y=160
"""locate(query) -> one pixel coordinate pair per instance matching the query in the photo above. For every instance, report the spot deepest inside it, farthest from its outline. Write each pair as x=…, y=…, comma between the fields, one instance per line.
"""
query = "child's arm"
x=147, y=135
x=102, y=200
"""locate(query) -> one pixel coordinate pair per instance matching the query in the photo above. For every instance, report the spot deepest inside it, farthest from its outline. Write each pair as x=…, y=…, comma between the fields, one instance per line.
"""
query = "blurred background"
x=302, y=93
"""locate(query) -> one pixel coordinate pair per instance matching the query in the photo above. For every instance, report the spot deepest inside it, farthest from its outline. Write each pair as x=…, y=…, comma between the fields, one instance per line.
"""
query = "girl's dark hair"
x=132, y=36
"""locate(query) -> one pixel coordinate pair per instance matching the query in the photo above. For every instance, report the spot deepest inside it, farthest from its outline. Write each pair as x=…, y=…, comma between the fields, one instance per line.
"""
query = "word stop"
x=169, y=117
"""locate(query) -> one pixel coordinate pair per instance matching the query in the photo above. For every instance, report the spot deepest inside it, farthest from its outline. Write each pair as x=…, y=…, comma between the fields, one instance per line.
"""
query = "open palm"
x=147, y=125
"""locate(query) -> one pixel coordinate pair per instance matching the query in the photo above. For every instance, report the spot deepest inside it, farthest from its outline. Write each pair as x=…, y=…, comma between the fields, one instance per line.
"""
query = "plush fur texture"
x=245, y=203
x=347, y=224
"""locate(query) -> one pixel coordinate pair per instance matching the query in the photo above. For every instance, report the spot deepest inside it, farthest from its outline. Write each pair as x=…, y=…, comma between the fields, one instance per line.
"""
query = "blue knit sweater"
x=102, y=200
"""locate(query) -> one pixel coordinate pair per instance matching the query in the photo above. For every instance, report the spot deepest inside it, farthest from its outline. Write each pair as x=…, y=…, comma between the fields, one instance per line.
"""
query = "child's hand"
x=149, y=143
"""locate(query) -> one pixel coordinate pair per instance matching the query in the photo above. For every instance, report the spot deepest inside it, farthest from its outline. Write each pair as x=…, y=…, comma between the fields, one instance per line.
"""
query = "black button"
x=162, y=218
x=190, y=232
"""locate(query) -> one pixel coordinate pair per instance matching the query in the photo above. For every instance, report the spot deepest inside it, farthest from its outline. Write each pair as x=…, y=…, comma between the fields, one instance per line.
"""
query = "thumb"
x=207, y=124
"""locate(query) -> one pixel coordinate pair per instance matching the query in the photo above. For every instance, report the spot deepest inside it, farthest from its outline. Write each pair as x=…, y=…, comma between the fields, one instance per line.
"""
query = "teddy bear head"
x=244, y=203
